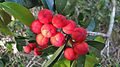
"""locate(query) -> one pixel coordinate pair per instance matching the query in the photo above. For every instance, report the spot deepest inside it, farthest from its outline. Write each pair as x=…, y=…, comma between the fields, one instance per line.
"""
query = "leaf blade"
x=19, y=12
x=96, y=44
x=55, y=55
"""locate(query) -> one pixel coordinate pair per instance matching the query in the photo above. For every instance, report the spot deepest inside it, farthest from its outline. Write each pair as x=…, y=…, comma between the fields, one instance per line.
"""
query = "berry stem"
x=97, y=33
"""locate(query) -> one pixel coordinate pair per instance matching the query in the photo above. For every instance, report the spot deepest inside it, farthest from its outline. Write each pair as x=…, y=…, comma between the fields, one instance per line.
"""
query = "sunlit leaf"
x=90, y=61
x=99, y=39
x=18, y=11
x=62, y=63
x=55, y=57
x=96, y=44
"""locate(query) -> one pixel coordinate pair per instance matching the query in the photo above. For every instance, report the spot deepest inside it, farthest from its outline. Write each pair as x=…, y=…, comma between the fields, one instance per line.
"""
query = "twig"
x=110, y=27
x=44, y=63
x=96, y=34
x=112, y=17
x=31, y=61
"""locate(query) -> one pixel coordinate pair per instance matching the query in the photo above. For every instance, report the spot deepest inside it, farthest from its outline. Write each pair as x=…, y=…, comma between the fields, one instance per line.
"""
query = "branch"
x=31, y=61
x=112, y=17
x=110, y=25
x=96, y=34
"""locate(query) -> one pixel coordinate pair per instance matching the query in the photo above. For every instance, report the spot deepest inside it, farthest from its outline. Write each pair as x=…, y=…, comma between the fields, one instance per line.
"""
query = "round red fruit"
x=32, y=45
x=27, y=49
x=37, y=51
x=44, y=46
x=57, y=40
x=70, y=54
x=79, y=34
x=45, y=16
x=48, y=30
x=59, y=21
x=68, y=29
x=41, y=40
x=36, y=26
x=81, y=48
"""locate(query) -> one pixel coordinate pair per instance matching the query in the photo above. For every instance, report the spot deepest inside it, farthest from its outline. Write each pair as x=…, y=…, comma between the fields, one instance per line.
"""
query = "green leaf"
x=79, y=62
x=44, y=3
x=90, y=61
x=117, y=18
x=50, y=4
x=18, y=11
x=20, y=43
x=5, y=18
x=1, y=63
x=101, y=4
x=70, y=7
x=91, y=25
x=48, y=51
x=62, y=63
x=60, y=5
x=73, y=63
x=6, y=31
x=99, y=39
x=5, y=58
x=96, y=44
x=54, y=58
x=117, y=65
x=80, y=17
x=9, y=46
x=94, y=51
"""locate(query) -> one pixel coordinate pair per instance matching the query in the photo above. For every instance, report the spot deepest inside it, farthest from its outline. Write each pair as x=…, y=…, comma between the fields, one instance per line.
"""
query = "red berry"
x=44, y=46
x=59, y=21
x=32, y=45
x=27, y=49
x=68, y=29
x=45, y=16
x=70, y=54
x=81, y=48
x=79, y=34
x=37, y=51
x=57, y=40
x=41, y=40
x=36, y=26
x=48, y=30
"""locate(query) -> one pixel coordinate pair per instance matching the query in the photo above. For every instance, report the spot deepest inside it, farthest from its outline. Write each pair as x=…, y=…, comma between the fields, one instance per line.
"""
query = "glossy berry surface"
x=81, y=48
x=70, y=54
x=27, y=49
x=57, y=40
x=48, y=30
x=41, y=40
x=45, y=16
x=59, y=21
x=68, y=29
x=32, y=45
x=36, y=26
x=79, y=34
x=37, y=51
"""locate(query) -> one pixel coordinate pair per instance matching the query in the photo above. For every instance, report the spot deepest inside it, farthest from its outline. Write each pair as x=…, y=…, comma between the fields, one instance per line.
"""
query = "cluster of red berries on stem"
x=53, y=28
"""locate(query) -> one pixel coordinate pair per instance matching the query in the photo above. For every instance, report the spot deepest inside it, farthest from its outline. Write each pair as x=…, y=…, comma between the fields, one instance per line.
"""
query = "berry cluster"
x=53, y=28
x=30, y=47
